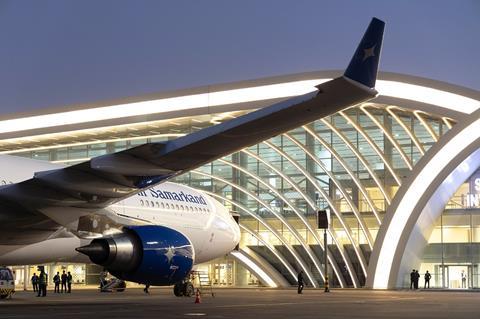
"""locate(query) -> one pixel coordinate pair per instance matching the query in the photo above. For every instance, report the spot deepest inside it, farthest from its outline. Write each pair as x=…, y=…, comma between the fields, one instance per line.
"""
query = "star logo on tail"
x=369, y=52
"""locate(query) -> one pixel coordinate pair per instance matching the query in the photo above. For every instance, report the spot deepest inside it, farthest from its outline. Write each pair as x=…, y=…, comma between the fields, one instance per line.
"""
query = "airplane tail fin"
x=364, y=63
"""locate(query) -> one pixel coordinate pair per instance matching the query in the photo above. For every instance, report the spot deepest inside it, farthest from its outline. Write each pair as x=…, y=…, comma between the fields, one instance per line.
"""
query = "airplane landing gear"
x=184, y=288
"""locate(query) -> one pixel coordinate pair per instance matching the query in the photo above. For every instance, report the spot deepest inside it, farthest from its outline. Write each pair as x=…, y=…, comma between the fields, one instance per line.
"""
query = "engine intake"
x=154, y=255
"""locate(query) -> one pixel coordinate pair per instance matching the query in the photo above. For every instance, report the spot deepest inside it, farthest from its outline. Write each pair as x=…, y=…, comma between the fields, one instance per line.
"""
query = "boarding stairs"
x=204, y=283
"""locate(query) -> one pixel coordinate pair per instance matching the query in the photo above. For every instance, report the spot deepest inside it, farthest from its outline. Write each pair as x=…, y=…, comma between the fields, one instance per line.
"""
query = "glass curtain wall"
x=351, y=163
x=453, y=251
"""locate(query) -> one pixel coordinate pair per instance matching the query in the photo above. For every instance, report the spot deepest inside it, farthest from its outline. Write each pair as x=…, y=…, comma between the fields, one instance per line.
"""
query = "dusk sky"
x=59, y=53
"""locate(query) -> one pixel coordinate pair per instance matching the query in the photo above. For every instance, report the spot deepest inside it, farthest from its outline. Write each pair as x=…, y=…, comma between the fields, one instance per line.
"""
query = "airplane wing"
x=106, y=179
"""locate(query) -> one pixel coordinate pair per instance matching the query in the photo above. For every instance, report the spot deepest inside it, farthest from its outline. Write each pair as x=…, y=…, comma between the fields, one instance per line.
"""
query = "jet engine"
x=153, y=255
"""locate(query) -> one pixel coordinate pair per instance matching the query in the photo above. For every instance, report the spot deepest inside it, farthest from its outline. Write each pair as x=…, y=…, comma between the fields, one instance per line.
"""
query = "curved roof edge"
x=391, y=76
x=428, y=95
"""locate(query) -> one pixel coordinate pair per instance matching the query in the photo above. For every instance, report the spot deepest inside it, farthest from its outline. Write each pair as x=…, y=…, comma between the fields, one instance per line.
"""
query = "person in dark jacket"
x=35, y=282
x=56, y=281
x=300, y=281
x=412, y=279
x=64, y=281
x=417, y=278
x=42, y=284
x=427, y=280
x=69, y=282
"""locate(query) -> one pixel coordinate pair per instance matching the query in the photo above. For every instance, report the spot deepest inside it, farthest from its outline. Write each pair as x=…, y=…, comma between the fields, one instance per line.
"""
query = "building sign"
x=472, y=199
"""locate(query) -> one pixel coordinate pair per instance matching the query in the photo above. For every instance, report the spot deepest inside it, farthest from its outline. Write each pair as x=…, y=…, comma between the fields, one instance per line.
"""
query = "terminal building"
x=399, y=176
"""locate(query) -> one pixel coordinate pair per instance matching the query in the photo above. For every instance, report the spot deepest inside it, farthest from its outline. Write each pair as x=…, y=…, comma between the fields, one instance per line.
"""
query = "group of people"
x=40, y=282
x=415, y=277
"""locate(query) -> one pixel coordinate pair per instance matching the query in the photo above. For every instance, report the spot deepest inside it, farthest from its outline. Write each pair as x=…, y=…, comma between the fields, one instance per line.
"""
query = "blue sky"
x=62, y=52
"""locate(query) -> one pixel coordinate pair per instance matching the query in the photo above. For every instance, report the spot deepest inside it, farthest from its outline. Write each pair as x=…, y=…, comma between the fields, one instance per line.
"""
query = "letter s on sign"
x=477, y=184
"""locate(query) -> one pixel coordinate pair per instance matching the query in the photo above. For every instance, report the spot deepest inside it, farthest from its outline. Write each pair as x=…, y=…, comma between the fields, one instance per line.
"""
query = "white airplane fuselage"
x=203, y=220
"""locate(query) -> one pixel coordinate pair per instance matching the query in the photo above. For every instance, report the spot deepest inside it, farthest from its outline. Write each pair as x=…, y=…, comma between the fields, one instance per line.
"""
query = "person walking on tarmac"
x=42, y=284
x=427, y=280
x=64, y=281
x=300, y=282
x=69, y=282
x=56, y=281
x=35, y=282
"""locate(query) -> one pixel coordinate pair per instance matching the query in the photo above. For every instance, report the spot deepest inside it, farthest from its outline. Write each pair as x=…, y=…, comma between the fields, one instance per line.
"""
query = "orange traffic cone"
x=197, y=296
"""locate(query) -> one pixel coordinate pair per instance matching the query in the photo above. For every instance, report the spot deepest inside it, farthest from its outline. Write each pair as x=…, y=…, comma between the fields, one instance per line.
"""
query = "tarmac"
x=244, y=303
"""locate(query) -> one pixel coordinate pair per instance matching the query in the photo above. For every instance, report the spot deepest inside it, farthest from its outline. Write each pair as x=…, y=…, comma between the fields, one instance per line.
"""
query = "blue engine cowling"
x=154, y=255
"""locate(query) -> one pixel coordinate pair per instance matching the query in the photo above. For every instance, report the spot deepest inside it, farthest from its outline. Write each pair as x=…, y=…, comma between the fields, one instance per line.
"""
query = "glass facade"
x=351, y=163
x=453, y=252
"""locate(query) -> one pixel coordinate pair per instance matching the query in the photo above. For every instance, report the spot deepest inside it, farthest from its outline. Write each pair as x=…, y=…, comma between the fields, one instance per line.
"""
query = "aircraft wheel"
x=189, y=290
x=122, y=286
x=178, y=289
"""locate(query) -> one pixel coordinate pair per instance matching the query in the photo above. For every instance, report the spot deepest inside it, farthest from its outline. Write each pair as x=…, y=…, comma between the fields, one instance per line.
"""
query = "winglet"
x=364, y=64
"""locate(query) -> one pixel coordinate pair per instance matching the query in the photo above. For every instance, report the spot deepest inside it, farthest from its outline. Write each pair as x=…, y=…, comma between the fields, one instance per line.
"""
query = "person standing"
x=64, y=281
x=300, y=282
x=145, y=290
x=412, y=279
x=103, y=278
x=464, y=279
x=42, y=284
x=56, y=281
x=69, y=282
x=35, y=282
x=427, y=280
x=417, y=278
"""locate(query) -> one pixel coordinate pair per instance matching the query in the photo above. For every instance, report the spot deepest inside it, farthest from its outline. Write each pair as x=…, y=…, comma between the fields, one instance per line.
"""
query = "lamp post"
x=323, y=221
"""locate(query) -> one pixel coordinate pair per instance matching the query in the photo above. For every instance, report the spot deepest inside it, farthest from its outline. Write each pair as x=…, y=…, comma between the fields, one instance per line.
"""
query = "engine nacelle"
x=153, y=255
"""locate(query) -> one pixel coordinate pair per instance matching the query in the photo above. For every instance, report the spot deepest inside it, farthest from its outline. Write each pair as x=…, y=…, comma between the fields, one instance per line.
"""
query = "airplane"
x=121, y=212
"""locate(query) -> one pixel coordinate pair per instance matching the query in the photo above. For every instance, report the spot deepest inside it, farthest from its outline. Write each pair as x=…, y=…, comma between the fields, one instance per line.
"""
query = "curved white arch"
x=406, y=129
x=235, y=93
x=372, y=144
x=309, y=201
x=270, y=229
x=390, y=138
x=349, y=171
x=427, y=127
x=299, y=215
x=361, y=158
x=272, y=249
x=292, y=230
x=420, y=200
x=253, y=267
x=338, y=214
